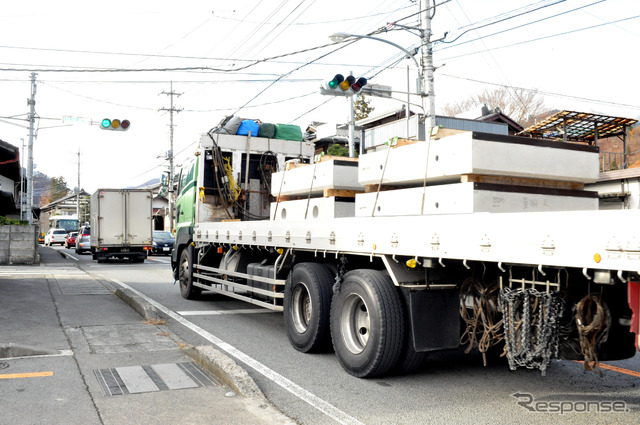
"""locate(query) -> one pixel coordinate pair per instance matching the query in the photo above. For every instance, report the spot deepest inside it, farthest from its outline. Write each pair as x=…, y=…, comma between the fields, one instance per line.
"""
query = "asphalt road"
x=453, y=387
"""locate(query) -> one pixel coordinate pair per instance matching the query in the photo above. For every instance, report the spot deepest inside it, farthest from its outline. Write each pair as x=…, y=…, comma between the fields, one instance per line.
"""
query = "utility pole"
x=427, y=64
x=171, y=110
x=22, y=188
x=32, y=119
x=78, y=192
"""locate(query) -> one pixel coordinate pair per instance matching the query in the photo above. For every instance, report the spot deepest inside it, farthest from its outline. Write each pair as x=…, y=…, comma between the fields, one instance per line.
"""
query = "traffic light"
x=115, y=124
x=341, y=86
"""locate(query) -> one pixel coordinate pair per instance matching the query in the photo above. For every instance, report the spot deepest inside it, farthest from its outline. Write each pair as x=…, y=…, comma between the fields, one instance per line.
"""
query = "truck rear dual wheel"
x=307, y=306
x=185, y=275
x=367, y=323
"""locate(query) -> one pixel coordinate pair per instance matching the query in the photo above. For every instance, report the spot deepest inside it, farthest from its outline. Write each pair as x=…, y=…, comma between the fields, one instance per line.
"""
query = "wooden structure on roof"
x=580, y=127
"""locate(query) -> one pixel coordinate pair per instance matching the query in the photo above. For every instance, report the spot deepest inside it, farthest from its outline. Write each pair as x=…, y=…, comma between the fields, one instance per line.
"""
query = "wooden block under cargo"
x=479, y=153
x=466, y=198
x=315, y=178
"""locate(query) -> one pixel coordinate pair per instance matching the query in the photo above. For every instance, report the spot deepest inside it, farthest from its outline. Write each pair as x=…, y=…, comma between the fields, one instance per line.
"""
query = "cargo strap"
x=483, y=323
x=593, y=320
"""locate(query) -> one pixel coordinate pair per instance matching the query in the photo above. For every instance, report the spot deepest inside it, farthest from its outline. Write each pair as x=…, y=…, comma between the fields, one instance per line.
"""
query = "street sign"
x=377, y=90
x=68, y=119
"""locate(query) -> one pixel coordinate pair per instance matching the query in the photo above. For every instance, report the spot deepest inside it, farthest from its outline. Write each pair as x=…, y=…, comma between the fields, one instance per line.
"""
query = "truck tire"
x=410, y=360
x=367, y=323
x=185, y=275
x=307, y=307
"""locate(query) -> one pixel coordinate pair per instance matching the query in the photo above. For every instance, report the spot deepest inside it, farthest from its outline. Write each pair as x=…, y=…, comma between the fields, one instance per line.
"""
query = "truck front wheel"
x=307, y=304
x=367, y=323
x=185, y=275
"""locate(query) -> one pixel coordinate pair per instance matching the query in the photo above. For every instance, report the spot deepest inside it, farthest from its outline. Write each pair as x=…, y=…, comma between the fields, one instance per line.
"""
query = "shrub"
x=4, y=221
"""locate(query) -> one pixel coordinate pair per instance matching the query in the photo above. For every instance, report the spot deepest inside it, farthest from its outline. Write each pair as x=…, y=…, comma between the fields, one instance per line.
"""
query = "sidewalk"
x=72, y=352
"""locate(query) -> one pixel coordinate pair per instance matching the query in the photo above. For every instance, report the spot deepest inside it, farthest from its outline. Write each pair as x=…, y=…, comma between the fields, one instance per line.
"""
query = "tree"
x=338, y=150
x=57, y=189
x=41, y=183
x=362, y=107
x=522, y=105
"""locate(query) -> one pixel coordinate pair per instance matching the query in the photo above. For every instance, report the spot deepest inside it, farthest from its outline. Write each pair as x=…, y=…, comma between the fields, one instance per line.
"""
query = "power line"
x=373, y=15
x=544, y=37
x=546, y=93
x=520, y=26
x=505, y=19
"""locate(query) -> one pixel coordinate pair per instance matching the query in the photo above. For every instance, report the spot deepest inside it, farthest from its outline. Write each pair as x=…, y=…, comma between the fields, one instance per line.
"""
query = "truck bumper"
x=113, y=252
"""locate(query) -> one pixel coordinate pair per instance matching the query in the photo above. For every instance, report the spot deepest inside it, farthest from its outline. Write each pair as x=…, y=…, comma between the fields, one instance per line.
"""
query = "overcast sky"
x=118, y=59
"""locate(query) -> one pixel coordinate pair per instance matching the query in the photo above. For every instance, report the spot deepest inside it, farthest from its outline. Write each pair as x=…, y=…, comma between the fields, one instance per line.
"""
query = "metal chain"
x=532, y=330
x=342, y=269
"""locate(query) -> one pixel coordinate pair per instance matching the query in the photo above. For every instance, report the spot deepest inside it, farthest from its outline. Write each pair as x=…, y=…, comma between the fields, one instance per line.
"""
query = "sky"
x=266, y=59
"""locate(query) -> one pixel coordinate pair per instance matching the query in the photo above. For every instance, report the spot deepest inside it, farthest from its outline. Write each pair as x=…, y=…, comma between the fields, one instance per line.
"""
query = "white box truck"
x=121, y=224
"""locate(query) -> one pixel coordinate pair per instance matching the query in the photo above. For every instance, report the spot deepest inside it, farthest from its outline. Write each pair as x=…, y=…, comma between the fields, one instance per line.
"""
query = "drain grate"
x=160, y=377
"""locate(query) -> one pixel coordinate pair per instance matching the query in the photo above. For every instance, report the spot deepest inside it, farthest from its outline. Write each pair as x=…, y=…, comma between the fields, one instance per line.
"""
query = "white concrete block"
x=464, y=198
x=332, y=174
x=477, y=153
x=314, y=208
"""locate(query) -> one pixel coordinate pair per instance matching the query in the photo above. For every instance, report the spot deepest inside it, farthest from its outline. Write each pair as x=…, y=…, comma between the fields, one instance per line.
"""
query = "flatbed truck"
x=383, y=291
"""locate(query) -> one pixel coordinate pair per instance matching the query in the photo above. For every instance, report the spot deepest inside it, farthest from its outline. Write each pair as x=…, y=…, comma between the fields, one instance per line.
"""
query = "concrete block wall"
x=19, y=244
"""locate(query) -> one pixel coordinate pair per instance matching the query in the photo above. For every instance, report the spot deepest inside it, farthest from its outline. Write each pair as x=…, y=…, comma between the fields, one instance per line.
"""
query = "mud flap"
x=633, y=291
x=435, y=319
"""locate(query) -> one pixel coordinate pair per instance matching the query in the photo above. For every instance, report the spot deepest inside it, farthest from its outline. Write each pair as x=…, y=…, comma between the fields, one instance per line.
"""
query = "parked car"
x=83, y=240
x=70, y=240
x=54, y=236
x=41, y=237
x=162, y=242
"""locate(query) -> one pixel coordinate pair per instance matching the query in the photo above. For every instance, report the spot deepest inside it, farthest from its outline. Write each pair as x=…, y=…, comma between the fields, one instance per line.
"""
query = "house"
x=160, y=203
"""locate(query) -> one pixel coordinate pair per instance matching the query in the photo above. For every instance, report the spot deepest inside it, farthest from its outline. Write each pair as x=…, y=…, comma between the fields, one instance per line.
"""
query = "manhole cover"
x=160, y=377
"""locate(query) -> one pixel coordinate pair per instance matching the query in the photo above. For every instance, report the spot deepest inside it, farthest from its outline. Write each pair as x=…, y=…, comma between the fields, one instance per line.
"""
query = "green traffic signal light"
x=106, y=123
x=336, y=81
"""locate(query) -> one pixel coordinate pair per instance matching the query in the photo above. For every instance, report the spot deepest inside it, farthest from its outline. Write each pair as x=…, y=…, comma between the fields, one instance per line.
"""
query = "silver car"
x=83, y=240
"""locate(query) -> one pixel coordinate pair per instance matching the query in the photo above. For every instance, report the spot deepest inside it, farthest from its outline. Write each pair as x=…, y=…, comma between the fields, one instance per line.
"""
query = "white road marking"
x=72, y=257
x=217, y=312
x=313, y=400
x=61, y=353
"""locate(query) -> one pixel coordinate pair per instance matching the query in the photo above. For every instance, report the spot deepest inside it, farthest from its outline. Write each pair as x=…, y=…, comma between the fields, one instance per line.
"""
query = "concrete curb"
x=227, y=370
x=220, y=365
x=143, y=308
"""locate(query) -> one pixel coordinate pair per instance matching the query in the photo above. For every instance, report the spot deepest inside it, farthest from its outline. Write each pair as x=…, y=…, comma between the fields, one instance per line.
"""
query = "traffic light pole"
x=352, y=129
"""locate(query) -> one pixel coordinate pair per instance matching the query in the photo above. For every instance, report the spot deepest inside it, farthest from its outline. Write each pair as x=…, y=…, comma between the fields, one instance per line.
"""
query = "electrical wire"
x=544, y=37
x=517, y=27
x=546, y=93
x=504, y=19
